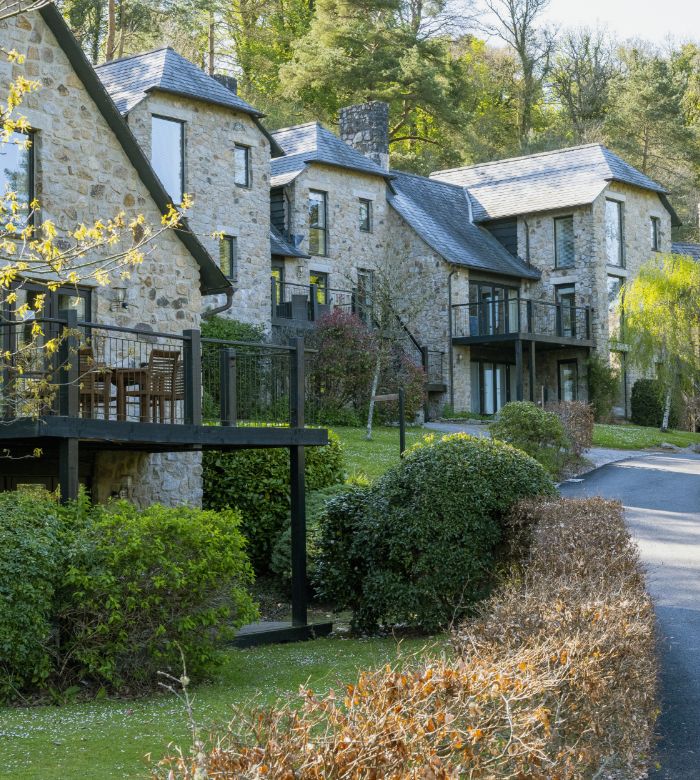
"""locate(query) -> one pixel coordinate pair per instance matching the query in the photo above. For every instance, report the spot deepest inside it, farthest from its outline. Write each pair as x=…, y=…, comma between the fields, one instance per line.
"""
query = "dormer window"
x=17, y=176
x=168, y=154
x=241, y=163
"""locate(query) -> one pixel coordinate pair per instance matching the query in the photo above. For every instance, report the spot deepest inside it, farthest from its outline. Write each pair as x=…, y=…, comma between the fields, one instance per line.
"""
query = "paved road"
x=661, y=494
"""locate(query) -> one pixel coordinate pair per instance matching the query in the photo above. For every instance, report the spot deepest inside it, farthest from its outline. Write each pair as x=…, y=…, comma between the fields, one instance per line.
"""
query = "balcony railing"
x=117, y=374
x=306, y=303
x=517, y=317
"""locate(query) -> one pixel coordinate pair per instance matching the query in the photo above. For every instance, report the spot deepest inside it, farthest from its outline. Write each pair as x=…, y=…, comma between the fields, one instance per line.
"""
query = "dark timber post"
x=519, y=393
x=298, y=492
x=69, y=404
x=193, y=376
x=532, y=371
x=402, y=421
x=227, y=372
x=313, y=302
x=425, y=361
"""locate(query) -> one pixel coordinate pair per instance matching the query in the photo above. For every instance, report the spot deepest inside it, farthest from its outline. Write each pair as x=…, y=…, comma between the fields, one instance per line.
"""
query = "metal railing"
x=520, y=316
x=303, y=303
x=111, y=373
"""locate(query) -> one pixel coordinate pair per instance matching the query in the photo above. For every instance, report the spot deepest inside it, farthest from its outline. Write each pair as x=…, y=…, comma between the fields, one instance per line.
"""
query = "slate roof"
x=439, y=212
x=311, y=142
x=130, y=79
x=545, y=182
x=280, y=246
x=686, y=248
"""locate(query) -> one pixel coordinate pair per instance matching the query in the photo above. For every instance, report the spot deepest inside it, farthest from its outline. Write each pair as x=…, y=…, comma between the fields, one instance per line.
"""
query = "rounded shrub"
x=418, y=547
x=142, y=586
x=647, y=404
x=30, y=562
x=257, y=483
x=539, y=433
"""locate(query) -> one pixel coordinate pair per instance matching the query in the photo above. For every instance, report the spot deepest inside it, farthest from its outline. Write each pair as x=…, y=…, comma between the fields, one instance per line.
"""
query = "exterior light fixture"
x=118, y=299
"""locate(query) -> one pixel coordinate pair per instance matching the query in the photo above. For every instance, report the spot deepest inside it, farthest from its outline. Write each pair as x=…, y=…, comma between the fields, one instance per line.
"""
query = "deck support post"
x=519, y=384
x=193, y=376
x=68, y=469
x=297, y=460
x=532, y=371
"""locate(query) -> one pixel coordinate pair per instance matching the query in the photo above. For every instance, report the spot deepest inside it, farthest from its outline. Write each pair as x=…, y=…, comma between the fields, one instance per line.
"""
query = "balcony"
x=521, y=319
x=301, y=305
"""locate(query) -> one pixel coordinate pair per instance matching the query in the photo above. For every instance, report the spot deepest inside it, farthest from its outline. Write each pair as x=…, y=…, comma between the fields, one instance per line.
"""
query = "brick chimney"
x=365, y=127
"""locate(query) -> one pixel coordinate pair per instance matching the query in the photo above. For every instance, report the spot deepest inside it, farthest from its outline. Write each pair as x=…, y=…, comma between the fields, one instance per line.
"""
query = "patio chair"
x=95, y=384
x=157, y=385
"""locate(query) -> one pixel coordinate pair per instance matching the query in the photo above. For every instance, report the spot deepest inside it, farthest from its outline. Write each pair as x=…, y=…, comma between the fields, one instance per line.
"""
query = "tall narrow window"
x=568, y=380
x=564, y=242
x=318, y=232
x=364, y=294
x=566, y=311
x=614, y=237
x=655, y=234
x=168, y=154
x=228, y=256
x=277, y=274
x=17, y=174
x=365, y=215
x=241, y=171
x=321, y=281
x=614, y=305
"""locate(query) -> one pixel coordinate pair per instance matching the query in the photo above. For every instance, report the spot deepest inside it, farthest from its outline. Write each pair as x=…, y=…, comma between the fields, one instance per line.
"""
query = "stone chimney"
x=365, y=127
x=230, y=82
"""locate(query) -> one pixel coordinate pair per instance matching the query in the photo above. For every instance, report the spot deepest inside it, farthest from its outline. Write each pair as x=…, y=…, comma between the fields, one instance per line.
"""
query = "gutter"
x=209, y=313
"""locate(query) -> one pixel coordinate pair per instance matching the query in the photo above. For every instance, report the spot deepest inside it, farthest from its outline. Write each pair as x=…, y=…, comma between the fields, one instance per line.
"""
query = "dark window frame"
x=367, y=203
x=248, y=166
x=232, y=243
x=655, y=233
x=322, y=229
x=183, y=160
x=570, y=362
x=557, y=260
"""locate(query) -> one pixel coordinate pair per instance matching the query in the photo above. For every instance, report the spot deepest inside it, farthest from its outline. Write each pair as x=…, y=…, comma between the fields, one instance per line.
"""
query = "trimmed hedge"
x=419, y=545
x=257, y=483
x=648, y=402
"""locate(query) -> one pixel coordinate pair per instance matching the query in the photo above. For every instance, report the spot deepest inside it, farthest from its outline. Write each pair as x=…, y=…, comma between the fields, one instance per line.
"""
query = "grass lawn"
x=635, y=437
x=373, y=458
x=109, y=738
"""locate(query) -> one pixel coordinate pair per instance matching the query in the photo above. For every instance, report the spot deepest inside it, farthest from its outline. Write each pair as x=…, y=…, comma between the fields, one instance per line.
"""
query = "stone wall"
x=82, y=174
x=220, y=206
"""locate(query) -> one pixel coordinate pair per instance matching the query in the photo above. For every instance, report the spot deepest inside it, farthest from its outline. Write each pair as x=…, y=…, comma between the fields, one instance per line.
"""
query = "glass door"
x=568, y=380
x=566, y=311
x=495, y=386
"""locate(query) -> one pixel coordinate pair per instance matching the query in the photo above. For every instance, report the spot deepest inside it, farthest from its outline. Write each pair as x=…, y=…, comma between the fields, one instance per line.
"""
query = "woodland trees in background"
x=466, y=80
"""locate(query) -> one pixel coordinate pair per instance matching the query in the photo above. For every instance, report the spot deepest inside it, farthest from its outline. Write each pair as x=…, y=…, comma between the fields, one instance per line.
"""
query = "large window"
x=564, y=242
x=655, y=225
x=614, y=233
x=168, y=154
x=614, y=304
x=568, y=380
x=241, y=171
x=493, y=309
x=318, y=232
x=228, y=256
x=321, y=281
x=365, y=215
x=17, y=172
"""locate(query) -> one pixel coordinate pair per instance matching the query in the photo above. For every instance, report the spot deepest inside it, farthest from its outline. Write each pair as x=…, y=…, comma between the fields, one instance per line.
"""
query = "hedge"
x=647, y=405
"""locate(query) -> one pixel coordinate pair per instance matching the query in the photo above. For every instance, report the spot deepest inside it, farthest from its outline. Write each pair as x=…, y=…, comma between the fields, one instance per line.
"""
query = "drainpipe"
x=527, y=243
x=449, y=338
x=219, y=309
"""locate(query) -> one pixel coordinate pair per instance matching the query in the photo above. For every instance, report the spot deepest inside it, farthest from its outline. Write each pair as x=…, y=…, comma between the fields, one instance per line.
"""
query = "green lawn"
x=109, y=738
x=373, y=458
x=635, y=437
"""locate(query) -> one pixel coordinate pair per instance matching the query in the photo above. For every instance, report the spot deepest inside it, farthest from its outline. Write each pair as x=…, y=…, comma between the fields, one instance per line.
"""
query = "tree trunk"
x=210, y=69
x=667, y=411
x=111, y=30
x=375, y=385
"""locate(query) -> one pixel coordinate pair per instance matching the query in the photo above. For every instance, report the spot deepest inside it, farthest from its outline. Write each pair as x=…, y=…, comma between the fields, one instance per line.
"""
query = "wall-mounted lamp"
x=118, y=299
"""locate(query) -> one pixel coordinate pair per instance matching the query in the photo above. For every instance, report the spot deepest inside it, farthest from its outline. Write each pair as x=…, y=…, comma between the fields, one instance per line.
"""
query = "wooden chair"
x=95, y=384
x=157, y=385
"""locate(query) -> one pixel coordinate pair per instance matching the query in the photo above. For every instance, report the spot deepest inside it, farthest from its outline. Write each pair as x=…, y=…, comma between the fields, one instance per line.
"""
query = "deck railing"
x=306, y=303
x=520, y=316
x=111, y=373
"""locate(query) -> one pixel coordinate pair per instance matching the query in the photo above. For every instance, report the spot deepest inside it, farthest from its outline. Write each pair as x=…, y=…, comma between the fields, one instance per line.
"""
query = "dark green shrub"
x=257, y=483
x=603, y=387
x=142, y=585
x=534, y=431
x=281, y=559
x=418, y=547
x=648, y=399
x=30, y=562
x=402, y=374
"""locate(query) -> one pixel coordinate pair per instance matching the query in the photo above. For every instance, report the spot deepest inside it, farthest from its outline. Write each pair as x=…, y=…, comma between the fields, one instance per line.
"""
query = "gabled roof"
x=546, y=181
x=130, y=79
x=439, y=212
x=686, y=248
x=212, y=280
x=311, y=143
x=280, y=246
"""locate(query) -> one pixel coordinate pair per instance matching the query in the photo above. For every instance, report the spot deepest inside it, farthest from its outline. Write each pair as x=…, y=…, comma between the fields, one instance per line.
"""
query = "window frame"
x=323, y=229
x=655, y=233
x=560, y=364
x=248, y=165
x=231, y=242
x=183, y=162
x=621, y=228
x=557, y=261
x=321, y=289
x=367, y=203
x=31, y=134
